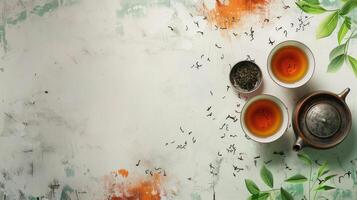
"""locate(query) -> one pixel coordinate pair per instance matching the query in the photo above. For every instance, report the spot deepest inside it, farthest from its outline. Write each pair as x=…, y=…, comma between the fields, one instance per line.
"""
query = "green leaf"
x=345, y=27
x=325, y=172
x=348, y=22
x=348, y=6
x=298, y=178
x=327, y=26
x=339, y=50
x=336, y=64
x=259, y=196
x=285, y=195
x=312, y=1
x=324, y=187
x=310, y=8
x=251, y=186
x=304, y=157
x=323, y=169
x=353, y=62
x=329, y=177
x=354, y=36
x=267, y=176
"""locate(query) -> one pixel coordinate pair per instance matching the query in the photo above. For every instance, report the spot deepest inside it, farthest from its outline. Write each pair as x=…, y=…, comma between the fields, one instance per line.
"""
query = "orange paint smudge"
x=147, y=188
x=228, y=15
x=123, y=172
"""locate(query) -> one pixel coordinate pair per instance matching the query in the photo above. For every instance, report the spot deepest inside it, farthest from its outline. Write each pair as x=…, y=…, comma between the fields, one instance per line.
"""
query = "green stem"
x=332, y=10
x=312, y=186
x=315, y=195
x=310, y=181
x=272, y=195
x=348, y=43
x=272, y=190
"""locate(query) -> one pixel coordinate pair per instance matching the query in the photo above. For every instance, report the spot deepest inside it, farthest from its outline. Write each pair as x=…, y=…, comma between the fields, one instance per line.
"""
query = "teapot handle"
x=344, y=93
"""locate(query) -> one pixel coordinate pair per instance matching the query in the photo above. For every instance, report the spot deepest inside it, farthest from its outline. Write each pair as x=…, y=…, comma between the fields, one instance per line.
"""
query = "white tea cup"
x=310, y=60
x=283, y=126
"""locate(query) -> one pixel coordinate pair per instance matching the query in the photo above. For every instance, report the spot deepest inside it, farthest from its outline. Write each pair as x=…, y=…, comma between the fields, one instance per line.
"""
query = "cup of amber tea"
x=291, y=64
x=264, y=118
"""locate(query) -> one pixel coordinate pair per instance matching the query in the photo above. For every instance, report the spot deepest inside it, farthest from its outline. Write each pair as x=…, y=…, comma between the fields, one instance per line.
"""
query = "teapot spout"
x=344, y=93
x=299, y=144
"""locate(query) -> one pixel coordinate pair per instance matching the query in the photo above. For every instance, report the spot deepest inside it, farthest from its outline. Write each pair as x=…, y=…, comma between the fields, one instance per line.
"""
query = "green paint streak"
x=3, y=41
x=65, y=193
x=341, y=194
x=18, y=18
x=69, y=171
x=41, y=10
x=195, y=196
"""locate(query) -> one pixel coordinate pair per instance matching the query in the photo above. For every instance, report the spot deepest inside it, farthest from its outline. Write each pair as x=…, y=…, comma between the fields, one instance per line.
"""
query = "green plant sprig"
x=322, y=176
x=339, y=55
x=267, y=177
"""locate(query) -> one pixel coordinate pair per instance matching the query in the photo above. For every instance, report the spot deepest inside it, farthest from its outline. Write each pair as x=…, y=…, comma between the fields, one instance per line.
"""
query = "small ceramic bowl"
x=311, y=63
x=280, y=131
x=234, y=70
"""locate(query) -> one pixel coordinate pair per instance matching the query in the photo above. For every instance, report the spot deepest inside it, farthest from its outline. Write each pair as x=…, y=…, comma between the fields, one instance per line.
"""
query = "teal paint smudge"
x=341, y=194
x=353, y=176
x=69, y=171
x=52, y=5
x=31, y=198
x=137, y=8
x=40, y=10
x=68, y=2
x=65, y=193
x=3, y=40
x=18, y=18
x=297, y=190
x=195, y=196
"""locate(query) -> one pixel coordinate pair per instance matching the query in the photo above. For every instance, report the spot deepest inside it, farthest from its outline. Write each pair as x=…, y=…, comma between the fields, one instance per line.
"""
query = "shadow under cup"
x=262, y=107
x=287, y=61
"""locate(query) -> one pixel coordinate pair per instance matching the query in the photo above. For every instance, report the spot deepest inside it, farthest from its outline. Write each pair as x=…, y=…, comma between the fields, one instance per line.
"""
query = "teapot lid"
x=323, y=120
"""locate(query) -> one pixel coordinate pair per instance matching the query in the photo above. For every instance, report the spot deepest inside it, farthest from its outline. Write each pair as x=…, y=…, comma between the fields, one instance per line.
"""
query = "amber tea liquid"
x=289, y=64
x=263, y=118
